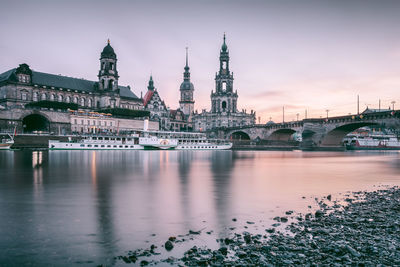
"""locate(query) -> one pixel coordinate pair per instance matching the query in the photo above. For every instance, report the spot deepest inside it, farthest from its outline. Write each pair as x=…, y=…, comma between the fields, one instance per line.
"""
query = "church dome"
x=186, y=85
x=108, y=52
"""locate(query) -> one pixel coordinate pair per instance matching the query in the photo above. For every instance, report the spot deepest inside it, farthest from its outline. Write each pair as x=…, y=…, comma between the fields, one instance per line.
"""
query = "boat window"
x=121, y=146
x=106, y=138
x=96, y=146
x=115, y=146
x=82, y=145
x=118, y=139
x=129, y=139
x=89, y=145
x=131, y=146
x=108, y=145
x=94, y=138
x=126, y=146
x=102, y=145
x=112, y=139
x=100, y=138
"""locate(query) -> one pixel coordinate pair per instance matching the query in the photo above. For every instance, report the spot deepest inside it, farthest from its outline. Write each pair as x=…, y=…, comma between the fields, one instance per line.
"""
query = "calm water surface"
x=85, y=207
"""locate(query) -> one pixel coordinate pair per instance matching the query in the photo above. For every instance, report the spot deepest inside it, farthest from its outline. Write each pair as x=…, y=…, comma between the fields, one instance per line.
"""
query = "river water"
x=83, y=208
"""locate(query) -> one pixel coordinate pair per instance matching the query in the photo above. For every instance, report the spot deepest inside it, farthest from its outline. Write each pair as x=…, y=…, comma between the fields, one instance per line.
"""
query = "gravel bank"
x=361, y=230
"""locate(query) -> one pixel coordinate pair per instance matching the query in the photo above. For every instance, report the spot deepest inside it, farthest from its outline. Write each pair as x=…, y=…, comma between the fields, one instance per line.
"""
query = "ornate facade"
x=22, y=86
x=172, y=119
x=224, y=112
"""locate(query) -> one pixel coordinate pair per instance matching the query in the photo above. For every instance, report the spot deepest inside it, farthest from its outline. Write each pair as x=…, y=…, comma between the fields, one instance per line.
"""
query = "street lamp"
x=393, y=102
x=327, y=112
x=297, y=116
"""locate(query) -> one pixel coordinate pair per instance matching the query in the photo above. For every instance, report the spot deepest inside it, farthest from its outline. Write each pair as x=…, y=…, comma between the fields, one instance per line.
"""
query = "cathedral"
x=224, y=112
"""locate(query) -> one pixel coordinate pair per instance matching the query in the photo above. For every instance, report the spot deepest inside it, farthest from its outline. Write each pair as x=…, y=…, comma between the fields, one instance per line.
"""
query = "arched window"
x=75, y=99
x=110, y=84
x=35, y=96
x=82, y=102
x=60, y=98
x=89, y=103
x=24, y=96
x=224, y=86
x=43, y=97
x=68, y=99
x=223, y=105
x=52, y=96
x=102, y=83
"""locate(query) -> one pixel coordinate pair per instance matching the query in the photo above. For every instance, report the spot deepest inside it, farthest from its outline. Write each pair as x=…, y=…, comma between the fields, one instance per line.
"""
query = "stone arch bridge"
x=323, y=133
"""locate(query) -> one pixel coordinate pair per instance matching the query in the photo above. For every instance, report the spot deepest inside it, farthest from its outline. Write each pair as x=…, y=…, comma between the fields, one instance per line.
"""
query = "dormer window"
x=23, y=78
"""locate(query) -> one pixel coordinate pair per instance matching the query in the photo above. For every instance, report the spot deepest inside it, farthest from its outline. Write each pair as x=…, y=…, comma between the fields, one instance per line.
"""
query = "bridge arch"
x=335, y=136
x=281, y=135
x=239, y=135
x=36, y=122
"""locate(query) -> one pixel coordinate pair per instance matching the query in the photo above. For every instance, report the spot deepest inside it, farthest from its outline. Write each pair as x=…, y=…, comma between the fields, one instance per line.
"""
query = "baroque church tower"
x=108, y=74
x=186, y=103
x=224, y=100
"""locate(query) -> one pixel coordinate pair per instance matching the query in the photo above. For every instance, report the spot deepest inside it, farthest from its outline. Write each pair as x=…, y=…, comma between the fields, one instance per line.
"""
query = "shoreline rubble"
x=360, y=230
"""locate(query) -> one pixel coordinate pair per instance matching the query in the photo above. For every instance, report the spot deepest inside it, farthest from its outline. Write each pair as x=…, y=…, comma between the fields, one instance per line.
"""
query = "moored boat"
x=372, y=142
x=6, y=141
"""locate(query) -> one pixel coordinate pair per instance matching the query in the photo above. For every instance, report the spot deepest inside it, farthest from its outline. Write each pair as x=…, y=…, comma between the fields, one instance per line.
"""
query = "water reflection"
x=222, y=166
x=80, y=206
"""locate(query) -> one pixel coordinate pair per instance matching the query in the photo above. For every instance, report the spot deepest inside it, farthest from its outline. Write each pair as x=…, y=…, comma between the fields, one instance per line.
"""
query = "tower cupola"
x=108, y=74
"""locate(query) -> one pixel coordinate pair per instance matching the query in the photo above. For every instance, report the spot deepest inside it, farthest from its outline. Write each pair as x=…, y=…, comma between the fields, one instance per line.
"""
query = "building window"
x=76, y=100
x=111, y=66
x=82, y=102
x=223, y=86
x=223, y=105
x=24, y=96
x=35, y=96
x=89, y=103
x=43, y=97
x=110, y=84
x=75, y=121
x=224, y=65
x=68, y=99
x=52, y=96
x=60, y=98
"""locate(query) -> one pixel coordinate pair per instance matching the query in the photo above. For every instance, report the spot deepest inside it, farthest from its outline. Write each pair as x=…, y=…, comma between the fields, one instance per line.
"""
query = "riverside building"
x=36, y=101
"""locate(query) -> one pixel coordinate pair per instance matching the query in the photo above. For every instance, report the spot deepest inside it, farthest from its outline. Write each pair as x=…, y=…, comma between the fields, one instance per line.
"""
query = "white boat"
x=142, y=140
x=6, y=141
x=378, y=141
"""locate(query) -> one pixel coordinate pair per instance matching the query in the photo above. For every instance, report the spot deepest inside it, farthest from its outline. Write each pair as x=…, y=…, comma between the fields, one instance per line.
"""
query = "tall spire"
x=151, y=83
x=186, y=74
x=224, y=46
x=187, y=65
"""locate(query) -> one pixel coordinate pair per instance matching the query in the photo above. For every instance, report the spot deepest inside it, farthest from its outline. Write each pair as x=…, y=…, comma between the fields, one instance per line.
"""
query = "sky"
x=301, y=55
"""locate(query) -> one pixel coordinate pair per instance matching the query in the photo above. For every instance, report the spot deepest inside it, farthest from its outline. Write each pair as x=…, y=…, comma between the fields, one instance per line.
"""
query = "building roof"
x=147, y=97
x=108, y=51
x=65, y=82
x=373, y=110
x=186, y=85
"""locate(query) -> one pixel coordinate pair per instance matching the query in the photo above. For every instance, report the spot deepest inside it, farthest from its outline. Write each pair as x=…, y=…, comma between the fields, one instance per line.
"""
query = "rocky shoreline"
x=361, y=230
